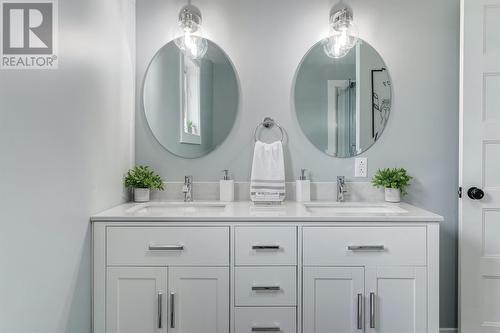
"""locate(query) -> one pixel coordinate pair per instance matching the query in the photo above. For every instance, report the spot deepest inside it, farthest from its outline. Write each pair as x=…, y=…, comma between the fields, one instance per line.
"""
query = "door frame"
x=460, y=159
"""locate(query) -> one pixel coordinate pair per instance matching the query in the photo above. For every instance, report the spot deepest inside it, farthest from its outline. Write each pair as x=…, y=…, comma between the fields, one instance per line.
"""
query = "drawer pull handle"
x=366, y=248
x=172, y=310
x=266, y=288
x=153, y=247
x=360, y=312
x=266, y=329
x=265, y=247
x=372, y=310
x=160, y=310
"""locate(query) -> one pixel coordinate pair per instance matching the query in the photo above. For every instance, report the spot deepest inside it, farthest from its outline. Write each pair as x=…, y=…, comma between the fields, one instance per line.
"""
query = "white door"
x=198, y=300
x=135, y=300
x=480, y=168
x=396, y=299
x=333, y=299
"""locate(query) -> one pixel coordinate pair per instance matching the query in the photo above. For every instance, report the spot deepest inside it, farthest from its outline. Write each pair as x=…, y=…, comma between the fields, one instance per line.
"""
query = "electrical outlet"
x=361, y=167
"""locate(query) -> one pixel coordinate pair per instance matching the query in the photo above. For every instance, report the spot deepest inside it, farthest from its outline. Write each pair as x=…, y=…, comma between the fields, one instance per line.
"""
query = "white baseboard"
x=443, y=330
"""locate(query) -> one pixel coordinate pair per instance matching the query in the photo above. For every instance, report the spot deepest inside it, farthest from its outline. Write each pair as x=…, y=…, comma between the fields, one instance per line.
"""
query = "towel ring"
x=268, y=123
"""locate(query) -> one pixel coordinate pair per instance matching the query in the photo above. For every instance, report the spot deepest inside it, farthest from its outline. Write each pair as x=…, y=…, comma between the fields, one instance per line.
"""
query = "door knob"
x=475, y=193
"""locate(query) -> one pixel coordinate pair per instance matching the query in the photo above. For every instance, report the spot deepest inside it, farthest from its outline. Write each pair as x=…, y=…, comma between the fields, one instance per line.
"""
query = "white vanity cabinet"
x=385, y=290
x=199, y=299
x=396, y=299
x=161, y=279
x=265, y=276
x=333, y=299
x=134, y=298
x=194, y=299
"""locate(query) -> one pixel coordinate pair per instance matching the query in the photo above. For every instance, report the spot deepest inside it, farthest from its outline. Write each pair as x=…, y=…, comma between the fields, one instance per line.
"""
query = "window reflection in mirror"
x=190, y=105
x=190, y=89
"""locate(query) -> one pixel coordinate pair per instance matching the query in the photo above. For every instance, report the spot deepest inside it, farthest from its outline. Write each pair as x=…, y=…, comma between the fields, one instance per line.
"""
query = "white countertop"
x=216, y=211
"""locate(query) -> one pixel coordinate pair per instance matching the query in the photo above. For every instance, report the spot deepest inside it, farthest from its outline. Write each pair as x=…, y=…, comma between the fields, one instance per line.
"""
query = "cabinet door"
x=396, y=299
x=135, y=300
x=333, y=299
x=198, y=299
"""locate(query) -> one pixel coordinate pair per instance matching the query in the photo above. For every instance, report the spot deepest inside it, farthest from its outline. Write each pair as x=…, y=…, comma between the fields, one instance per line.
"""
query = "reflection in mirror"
x=190, y=99
x=190, y=104
x=343, y=104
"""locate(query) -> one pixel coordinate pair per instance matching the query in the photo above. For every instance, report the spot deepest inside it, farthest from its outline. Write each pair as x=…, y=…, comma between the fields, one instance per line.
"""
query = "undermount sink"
x=353, y=208
x=178, y=208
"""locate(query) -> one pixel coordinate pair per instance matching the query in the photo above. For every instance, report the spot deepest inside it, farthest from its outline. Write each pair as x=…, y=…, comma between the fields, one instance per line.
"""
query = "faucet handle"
x=341, y=184
x=188, y=182
x=341, y=188
x=226, y=174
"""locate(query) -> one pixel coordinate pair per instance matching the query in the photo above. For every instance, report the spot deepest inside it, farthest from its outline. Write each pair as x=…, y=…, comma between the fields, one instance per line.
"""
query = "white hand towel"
x=267, y=183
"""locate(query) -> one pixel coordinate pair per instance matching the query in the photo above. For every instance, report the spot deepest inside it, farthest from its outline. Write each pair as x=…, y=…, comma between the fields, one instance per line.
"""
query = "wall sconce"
x=343, y=34
x=189, y=38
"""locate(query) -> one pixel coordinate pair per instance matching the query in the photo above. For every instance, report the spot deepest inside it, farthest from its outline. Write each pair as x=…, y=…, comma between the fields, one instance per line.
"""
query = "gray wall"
x=266, y=41
x=66, y=138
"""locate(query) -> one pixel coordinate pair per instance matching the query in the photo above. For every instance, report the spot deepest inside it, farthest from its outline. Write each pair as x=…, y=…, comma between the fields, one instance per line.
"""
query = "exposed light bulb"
x=334, y=48
x=190, y=41
x=194, y=47
x=343, y=36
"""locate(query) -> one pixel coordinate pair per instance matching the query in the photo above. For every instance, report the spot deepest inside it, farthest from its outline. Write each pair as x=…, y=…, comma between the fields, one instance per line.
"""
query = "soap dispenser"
x=226, y=188
x=302, y=188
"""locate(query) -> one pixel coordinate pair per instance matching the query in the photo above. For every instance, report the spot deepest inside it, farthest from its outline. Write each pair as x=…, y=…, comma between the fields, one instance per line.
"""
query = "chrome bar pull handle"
x=372, y=310
x=360, y=312
x=160, y=310
x=172, y=310
x=366, y=247
x=266, y=288
x=265, y=247
x=266, y=329
x=159, y=247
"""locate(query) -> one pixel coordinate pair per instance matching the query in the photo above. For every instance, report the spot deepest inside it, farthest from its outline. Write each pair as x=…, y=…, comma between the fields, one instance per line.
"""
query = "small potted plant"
x=142, y=180
x=394, y=181
x=191, y=127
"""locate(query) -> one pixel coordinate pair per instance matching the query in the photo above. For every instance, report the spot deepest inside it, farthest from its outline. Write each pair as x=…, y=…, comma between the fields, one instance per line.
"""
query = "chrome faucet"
x=340, y=188
x=188, y=188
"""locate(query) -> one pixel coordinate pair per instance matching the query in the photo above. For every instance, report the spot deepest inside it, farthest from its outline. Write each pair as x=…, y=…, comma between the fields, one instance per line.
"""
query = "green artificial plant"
x=397, y=178
x=143, y=177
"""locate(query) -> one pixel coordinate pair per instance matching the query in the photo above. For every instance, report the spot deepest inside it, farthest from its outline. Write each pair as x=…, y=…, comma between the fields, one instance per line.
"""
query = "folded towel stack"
x=267, y=184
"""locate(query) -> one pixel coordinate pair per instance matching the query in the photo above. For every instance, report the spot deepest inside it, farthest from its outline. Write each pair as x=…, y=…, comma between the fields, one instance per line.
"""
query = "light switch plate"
x=361, y=167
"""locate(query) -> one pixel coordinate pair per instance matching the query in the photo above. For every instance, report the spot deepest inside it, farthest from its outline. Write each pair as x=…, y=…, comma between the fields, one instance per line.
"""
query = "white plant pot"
x=392, y=194
x=141, y=194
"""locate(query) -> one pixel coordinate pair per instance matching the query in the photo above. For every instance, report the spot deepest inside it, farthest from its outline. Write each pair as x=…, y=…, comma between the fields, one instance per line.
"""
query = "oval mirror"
x=343, y=104
x=190, y=105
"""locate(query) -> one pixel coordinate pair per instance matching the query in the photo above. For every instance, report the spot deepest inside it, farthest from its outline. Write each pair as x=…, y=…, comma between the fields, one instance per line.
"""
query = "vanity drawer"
x=350, y=246
x=266, y=245
x=263, y=319
x=265, y=286
x=162, y=246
